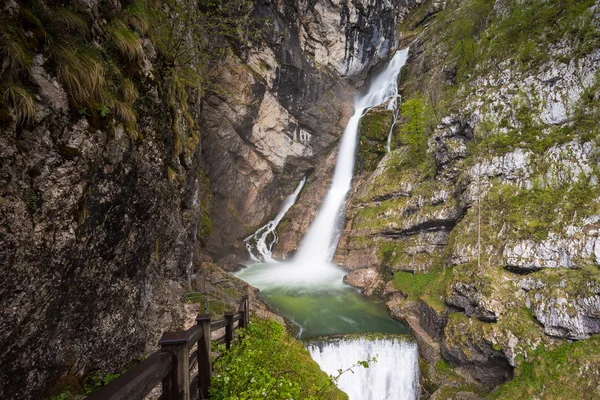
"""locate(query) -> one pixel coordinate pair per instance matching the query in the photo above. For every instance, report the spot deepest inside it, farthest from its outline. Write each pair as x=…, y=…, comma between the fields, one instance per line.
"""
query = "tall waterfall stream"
x=309, y=289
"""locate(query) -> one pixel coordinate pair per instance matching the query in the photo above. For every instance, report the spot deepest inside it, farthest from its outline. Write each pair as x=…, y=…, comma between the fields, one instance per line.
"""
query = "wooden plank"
x=245, y=309
x=204, y=357
x=194, y=387
x=238, y=316
x=220, y=340
x=193, y=359
x=138, y=381
x=229, y=329
x=176, y=385
x=218, y=324
x=194, y=334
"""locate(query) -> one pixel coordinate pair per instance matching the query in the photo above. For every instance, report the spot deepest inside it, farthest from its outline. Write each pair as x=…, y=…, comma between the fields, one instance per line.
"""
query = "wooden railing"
x=173, y=364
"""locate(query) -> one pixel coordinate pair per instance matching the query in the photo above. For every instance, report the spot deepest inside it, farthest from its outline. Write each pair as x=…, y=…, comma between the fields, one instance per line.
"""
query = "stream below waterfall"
x=309, y=289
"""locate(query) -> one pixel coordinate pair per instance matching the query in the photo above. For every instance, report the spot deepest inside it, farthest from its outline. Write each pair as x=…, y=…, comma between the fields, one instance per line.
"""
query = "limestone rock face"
x=366, y=279
x=281, y=116
x=350, y=36
x=502, y=209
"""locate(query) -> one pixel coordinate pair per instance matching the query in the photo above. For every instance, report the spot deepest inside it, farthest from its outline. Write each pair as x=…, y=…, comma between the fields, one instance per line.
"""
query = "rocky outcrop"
x=474, y=354
x=351, y=36
x=502, y=210
x=279, y=118
x=366, y=279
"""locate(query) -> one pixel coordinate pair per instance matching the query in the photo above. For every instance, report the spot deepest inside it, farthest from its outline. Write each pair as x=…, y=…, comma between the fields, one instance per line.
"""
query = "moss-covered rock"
x=373, y=132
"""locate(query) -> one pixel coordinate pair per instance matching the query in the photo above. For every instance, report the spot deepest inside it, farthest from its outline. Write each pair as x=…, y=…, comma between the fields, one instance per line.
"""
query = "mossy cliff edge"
x=482, y=223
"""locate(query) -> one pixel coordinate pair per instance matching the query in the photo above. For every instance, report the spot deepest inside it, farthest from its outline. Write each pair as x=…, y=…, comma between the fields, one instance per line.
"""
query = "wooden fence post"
x=246, y=317
x=244, y=309
x=176, y=385
x=229, y=329
x=204, y=361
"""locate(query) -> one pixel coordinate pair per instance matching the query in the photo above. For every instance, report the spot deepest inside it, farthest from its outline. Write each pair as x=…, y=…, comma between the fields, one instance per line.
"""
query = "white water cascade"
x=310, y=290
x=394, y=104
x=394, y=374
x=265, y=237
x=322, y=237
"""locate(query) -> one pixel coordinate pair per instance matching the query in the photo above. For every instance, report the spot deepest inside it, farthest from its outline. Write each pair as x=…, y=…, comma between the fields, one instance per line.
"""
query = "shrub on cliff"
x=270, y=364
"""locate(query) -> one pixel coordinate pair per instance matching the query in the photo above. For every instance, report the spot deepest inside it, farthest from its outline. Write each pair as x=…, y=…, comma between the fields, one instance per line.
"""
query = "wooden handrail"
x=138, y=381
x=172, y=364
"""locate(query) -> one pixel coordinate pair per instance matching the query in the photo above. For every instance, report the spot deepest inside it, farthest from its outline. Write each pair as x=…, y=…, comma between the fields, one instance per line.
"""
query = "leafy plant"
x=98, y=380
x=269, y=364
x=417, y=125
x=103, y=110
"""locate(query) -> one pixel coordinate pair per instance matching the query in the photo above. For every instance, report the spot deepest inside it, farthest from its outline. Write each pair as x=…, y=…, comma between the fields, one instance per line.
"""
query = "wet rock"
x=468, y=298
x=433, y=321
x=366, y=279
x=469, y=349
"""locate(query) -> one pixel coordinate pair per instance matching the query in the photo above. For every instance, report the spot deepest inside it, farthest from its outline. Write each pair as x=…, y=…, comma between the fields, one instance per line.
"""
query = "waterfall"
x=263, y=240
x=309, y=289
x=395, y=101
x=394, y=374
x=320, y=242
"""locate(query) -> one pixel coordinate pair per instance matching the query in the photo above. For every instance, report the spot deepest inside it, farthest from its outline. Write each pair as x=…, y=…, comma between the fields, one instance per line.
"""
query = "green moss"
x=32, y=200
x=533, y=213
x=429, y=287
x=427, y=380
x=567, y=372
x=373, y=131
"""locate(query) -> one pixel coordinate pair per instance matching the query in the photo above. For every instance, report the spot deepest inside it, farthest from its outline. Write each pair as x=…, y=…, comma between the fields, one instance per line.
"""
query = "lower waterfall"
x=393, y=375
x=263, y=240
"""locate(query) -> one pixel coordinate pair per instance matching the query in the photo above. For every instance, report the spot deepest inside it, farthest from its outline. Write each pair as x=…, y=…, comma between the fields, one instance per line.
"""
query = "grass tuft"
x=128, y=91
x=15, y=52
x=127, y=41
x=137, y=16
x=125, y=113
x=22, y=104
x=70, y=21
x=82, y=74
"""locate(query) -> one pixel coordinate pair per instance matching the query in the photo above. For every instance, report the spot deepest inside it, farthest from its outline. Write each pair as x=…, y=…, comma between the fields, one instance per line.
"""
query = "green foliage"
x=126, y=41
x=32, y=201
x=417, y=125
x=82, y=72
x=70, y=21
x=268, y=363
x=103, y=110
x=532, y=213
x=65, y=394
x=429, y=287
x=466, y=24
x=531, y=22
x=98, y=380
x=373, y=131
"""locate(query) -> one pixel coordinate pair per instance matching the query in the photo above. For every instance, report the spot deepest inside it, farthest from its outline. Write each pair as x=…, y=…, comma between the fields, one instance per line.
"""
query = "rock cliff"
x=486, y=210
x=133, y=151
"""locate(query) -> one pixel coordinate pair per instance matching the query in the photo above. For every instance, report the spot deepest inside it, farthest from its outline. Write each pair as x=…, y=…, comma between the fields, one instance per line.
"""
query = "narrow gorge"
x=409, y=186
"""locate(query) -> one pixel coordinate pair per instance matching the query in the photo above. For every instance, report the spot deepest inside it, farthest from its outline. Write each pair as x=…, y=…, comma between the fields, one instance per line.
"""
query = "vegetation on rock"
x=269, y=363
